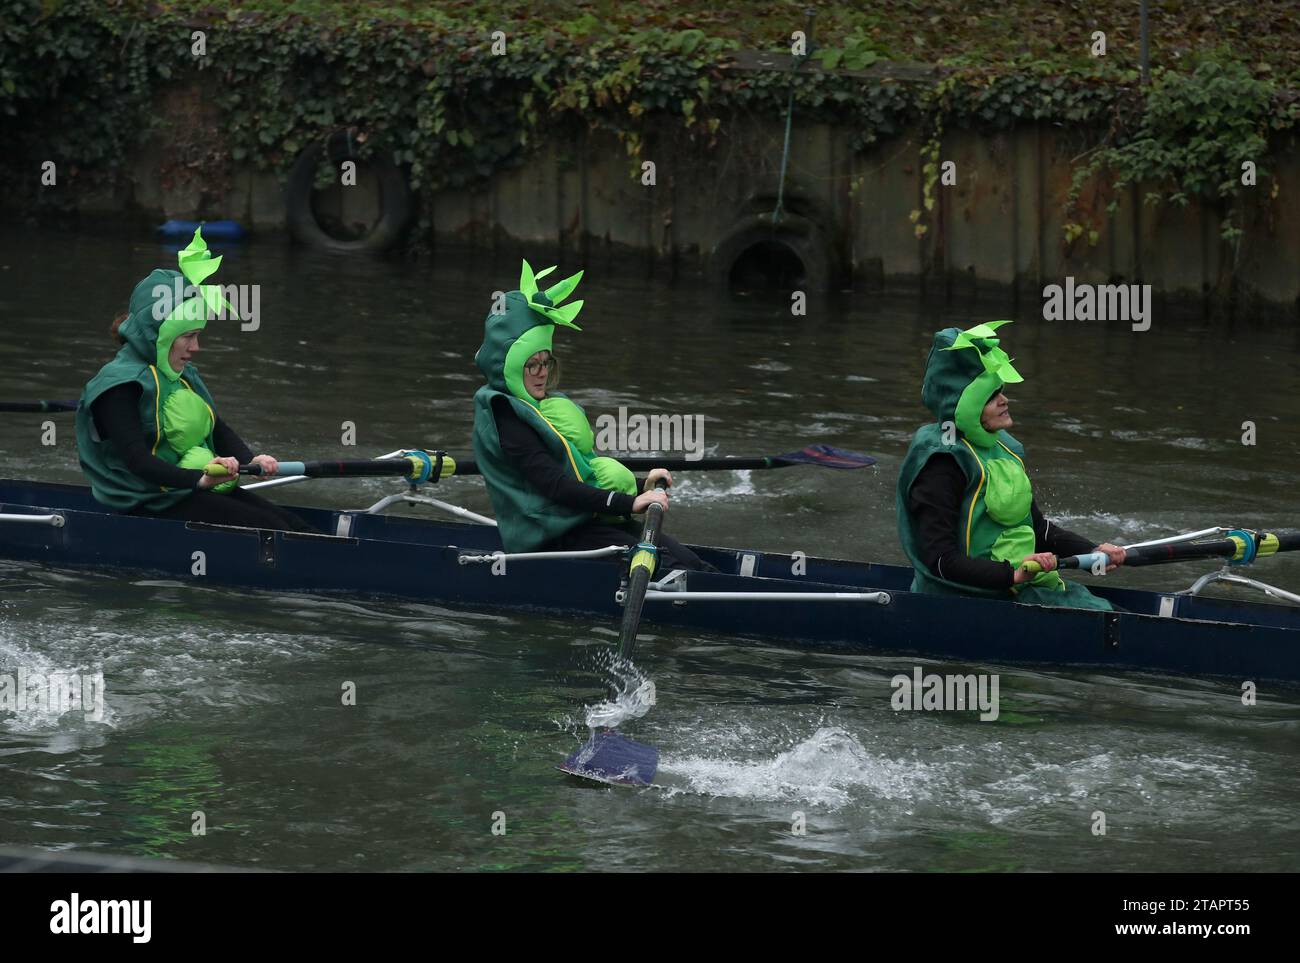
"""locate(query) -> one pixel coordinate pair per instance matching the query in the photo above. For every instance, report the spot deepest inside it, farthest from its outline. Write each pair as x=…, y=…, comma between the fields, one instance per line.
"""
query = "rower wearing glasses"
x=549, y=490
x=966, y=512
x=147, y=425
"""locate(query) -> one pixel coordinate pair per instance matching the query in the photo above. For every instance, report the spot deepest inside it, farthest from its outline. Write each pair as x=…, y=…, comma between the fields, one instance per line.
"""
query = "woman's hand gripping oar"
x=1105, y=559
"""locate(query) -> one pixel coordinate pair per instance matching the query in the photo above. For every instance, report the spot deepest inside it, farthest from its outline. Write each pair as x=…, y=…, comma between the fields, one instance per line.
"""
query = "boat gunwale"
x=1242, y=606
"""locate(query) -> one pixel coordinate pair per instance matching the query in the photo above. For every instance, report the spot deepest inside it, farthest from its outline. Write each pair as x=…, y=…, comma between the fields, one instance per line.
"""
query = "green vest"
x=527, y=520
x=111, y=482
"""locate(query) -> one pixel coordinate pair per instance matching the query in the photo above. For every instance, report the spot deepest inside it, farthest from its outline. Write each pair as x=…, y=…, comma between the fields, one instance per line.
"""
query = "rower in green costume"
x=526, y=519
x=964, y=371
x=156, y=317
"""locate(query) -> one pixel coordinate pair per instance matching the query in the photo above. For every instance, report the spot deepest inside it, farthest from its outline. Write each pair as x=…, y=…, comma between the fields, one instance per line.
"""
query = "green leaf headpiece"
x=547, y=303
x=197, y=264
x=983, y=338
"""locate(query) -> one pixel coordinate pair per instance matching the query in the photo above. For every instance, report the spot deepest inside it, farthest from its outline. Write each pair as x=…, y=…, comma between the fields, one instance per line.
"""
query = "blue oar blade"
x=827, y=457
x=610, y=758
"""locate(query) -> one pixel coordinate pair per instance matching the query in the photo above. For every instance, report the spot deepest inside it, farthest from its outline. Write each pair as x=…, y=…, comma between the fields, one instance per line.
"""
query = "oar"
x=415, y=466
x=607, y=756
x=819, y=455
x=39, y=405
x=1233, y=547
x=823, y=456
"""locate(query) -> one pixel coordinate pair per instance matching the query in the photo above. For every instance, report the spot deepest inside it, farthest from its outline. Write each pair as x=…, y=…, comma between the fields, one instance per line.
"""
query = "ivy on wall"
x=83, y=83
x=1190, y=136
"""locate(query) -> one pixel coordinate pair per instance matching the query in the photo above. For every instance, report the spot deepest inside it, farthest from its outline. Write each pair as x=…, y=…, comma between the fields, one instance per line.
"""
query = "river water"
x=227, y=703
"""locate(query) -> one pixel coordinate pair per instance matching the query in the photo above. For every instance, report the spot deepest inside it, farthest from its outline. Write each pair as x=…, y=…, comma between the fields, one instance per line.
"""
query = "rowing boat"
x=826, y=603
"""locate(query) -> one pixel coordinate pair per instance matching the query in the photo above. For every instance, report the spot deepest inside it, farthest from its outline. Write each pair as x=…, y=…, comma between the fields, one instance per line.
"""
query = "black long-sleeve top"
x=521, y=444
x=117, y=419
x=935, y=502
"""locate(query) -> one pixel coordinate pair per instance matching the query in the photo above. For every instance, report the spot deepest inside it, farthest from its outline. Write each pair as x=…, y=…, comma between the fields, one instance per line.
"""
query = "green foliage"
x=83, y=82
x=1189, y=137
x=1036, y=92
x=938, y=109
x=69, y=75
x=857, y=53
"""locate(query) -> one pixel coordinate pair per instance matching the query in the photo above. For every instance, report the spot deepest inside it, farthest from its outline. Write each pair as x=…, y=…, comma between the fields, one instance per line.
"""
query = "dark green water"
x=229, y=703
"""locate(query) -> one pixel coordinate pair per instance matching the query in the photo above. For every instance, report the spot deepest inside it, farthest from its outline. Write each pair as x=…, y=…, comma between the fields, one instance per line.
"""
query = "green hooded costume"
x=526, y=518
x=158, y=313
x=965, y=369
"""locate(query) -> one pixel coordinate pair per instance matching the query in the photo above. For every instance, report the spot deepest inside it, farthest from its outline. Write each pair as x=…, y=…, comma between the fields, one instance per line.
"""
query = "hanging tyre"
x=394, y=197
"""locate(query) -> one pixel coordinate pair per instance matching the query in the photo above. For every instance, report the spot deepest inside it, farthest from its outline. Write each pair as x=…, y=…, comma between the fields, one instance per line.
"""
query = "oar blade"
x=614, y=760
x=826, y=456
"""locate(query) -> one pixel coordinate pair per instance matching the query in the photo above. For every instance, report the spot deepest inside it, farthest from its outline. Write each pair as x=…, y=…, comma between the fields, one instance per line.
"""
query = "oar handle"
x=654, y=515
x=217, y=470
x=1095, y=562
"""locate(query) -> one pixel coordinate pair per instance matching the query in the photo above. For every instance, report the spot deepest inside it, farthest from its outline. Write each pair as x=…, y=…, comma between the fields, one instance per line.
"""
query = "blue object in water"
x=610, y=758
x=212, y=230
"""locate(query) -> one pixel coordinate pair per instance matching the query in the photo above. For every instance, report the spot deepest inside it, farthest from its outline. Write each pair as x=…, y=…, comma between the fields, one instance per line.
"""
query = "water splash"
x=827, y=769
x=702, y=490
x=627, y=705
x=633, y=692
x=41, y=694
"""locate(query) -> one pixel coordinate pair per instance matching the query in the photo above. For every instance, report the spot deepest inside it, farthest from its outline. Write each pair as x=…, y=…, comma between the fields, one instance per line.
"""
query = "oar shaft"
x=818, y=455
x=336, y=469
x=1233, y=547
x=739, y=463
x=467, y=466
x=822, y=456
x=416, y=466
x=639, y=463
x=648, y=462
x=39, y=406
x=640, y=571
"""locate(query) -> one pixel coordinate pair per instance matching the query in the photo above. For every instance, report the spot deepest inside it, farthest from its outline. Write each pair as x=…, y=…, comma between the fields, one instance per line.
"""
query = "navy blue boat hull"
x=418, y=559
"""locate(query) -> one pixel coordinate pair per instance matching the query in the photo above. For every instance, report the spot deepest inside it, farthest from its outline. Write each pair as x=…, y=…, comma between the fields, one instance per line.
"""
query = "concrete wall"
x=1001, y=227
